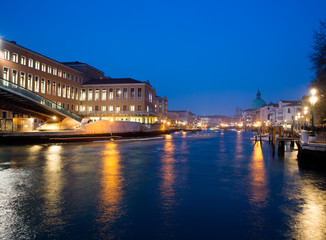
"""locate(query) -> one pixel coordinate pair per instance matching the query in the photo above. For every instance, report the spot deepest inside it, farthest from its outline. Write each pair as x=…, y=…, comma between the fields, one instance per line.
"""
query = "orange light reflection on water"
x=112, y=181
x=167, y=187
x=258, y=182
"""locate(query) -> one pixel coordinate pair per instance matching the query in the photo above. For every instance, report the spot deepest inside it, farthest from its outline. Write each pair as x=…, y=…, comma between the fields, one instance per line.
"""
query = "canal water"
x=210, y=185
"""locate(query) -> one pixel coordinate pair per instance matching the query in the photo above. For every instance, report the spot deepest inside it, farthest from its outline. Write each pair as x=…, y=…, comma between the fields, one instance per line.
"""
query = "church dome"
x=258, y=102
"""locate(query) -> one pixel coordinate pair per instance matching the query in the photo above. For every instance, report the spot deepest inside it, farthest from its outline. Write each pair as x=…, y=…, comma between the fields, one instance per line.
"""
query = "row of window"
x=110, y=94
x=110, y=108
x=41, y=66
x=34, y=83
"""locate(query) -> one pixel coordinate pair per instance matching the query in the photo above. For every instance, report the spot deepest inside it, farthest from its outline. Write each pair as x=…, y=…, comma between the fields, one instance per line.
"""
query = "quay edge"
x=312, y=155
x=66, y=137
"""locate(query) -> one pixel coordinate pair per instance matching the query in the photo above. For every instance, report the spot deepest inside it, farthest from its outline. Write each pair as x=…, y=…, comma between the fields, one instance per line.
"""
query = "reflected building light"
x=111, y=195
x=167, y=171
x=310, y=221
x=258, y=183
x=53, y=184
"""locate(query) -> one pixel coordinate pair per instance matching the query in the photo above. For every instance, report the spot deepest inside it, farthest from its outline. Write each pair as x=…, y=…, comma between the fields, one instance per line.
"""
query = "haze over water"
x=185, y=186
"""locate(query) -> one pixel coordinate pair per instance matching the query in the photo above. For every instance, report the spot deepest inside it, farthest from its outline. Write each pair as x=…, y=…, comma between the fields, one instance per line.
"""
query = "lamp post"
x=313, y=100
x=305, y=111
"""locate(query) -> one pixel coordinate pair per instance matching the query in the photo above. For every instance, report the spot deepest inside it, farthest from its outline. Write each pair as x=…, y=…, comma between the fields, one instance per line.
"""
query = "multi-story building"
x=161, y=107
x=182, y=117
x=125, y=99
x=287, y=110
x=76, y=87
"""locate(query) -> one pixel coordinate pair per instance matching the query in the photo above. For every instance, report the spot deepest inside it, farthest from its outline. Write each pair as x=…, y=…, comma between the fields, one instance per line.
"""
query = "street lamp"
x=299, y=121
x=313, y=100
x=305, y=111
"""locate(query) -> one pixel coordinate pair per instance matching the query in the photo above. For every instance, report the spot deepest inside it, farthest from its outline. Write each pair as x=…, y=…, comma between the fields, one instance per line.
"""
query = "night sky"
x=206, y=56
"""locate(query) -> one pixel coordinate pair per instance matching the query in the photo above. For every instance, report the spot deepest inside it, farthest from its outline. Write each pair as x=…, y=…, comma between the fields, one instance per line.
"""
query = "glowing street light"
x=305, y=111
x=313, y=99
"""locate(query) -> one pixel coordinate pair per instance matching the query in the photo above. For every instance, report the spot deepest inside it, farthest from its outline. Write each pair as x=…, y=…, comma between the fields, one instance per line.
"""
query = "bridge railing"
x=19, y=90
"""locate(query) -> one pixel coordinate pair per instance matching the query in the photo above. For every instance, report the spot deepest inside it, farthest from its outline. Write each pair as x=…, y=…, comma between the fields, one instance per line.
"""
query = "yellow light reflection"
x=310, y=221
x=168, y=177
x=258, y=184
x=112, y=183
x=53, y=182
x=168, y=136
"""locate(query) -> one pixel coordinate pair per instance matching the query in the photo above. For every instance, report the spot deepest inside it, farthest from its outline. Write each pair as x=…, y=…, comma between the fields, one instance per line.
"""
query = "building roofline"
x=41, y=55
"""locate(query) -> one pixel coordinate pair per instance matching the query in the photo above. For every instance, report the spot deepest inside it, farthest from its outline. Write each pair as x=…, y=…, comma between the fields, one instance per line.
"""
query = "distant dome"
x=258, y=102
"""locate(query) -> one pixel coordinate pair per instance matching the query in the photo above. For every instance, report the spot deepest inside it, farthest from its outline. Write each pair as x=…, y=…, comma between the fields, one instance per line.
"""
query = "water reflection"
x=111, y=194
x=167, y=186
x=310, y=221
x=258, y=190
x=53, y=184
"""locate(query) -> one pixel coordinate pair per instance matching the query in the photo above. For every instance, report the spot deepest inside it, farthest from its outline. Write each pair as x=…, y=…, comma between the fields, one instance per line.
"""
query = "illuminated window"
x=59, y=73
x=30, y=63
x=22, y=79
x=132, y=108
x=90, y=108
x=49, y=69
x=48, y=87
x=23, y=60
x=43, y=67
x=72, y=93
x=111, y=94
x=30, y=82
x=117, y=93
x=6, y=73
x=15, y=58
x=90, y=94
x=42, y=85
x=55, y=71
x=117, y=109
x=82, y=108
x=36, y=84
x=37, y=65
x=125, y=93
x=14, y=76
x=68, y=92
x=6, y=55
x=150, y=97
x=147, y=108
x=103, y=108
x=111, y=108
x=64, y=75
x=59, y=89
x=97, y=94
x=82, y=94
x=103, y=94
x=64, y=90
x=54, y=89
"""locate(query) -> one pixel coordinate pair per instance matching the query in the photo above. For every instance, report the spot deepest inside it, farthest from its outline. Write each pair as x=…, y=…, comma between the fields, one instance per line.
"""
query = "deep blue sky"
x=206, y=56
